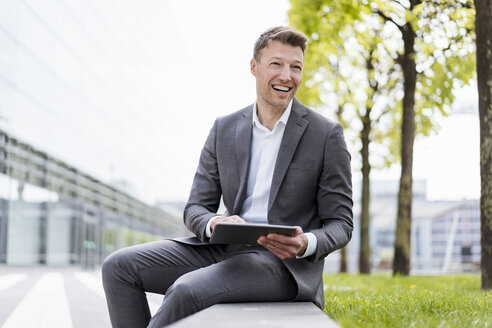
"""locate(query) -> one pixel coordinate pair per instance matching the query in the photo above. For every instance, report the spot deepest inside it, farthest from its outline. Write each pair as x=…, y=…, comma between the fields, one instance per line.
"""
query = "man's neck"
x=268, y=116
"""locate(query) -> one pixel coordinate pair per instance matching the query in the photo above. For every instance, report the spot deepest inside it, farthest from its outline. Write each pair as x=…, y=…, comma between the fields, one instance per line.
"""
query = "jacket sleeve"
x=205, y=195
x=334, y=199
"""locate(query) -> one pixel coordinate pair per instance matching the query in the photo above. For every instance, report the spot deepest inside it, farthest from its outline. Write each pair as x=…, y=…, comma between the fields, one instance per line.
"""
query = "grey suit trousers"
x=192, y=277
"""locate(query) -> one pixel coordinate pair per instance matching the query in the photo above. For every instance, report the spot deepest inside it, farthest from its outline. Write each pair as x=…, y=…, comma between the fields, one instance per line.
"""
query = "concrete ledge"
x=247, y=315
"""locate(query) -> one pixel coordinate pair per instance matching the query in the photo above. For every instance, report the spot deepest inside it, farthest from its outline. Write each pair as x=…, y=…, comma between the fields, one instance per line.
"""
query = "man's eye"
x=275, y=64
x=299, y=68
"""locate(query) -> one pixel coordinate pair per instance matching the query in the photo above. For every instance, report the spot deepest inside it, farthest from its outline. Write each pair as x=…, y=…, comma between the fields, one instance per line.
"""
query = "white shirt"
x=265, y=145
x=264, y=150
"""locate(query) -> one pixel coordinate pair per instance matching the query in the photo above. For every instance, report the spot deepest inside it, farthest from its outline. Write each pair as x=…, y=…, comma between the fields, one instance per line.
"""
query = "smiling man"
x=275, y=161
x=278, y=73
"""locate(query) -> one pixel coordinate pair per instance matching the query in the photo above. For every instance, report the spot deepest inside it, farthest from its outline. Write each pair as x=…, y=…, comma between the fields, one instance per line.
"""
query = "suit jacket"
x=311, y=186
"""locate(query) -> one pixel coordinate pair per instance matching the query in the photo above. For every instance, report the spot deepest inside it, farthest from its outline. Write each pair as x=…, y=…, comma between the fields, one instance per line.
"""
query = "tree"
x=435, y=35
x=364, y=97
x=404, y=59
x=484, y=79
x=343, y=260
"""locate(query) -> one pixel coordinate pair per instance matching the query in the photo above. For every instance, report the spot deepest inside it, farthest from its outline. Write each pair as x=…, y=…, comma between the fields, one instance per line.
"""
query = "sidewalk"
x=54, y=297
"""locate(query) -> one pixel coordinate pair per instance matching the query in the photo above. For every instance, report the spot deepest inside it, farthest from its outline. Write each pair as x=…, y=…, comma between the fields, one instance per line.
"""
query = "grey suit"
x=311, y=188
x=311, y=185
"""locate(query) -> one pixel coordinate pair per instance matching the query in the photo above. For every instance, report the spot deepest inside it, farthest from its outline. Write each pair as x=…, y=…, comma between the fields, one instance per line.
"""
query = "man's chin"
x=277, y=104
x=280, y=105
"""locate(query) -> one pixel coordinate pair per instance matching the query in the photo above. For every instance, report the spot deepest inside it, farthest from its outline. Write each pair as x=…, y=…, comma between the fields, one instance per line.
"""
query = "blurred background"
x=104, y=108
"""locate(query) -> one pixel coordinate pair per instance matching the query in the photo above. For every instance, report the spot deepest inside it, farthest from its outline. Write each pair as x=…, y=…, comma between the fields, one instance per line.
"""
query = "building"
x=53, y=214
x=445, y=236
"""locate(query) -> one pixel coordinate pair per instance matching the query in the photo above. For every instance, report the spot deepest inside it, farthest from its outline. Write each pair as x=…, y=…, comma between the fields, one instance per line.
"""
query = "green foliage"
x=445, y=56
x=352, y=62
x=415, y=301
x=317, y=21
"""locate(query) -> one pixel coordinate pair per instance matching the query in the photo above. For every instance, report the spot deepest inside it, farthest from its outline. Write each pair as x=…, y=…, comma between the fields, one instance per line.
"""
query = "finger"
x=292, y=245
x=237, y=218
x=283, y=254
x=277, y=244
x=228, y=219
x=233, y=219
x=284, y=240
x=280, y=250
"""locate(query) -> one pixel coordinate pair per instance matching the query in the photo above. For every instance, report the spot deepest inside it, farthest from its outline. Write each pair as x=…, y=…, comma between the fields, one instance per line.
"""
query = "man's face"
x=278, y=74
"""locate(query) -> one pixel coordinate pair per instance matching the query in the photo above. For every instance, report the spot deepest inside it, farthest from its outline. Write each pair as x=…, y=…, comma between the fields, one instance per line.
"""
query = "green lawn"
x=416, y=301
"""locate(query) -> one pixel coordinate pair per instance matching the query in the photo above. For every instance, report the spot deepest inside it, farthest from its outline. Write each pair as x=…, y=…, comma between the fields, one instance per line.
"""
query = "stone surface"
x=239, y=315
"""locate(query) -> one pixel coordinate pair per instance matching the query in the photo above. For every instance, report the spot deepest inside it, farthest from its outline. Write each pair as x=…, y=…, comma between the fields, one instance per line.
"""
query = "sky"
x=128, y=90
x=450, y=159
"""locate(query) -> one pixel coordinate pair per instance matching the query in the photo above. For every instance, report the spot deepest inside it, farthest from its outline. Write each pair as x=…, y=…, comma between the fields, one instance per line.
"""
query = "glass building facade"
x=445, y=235
x=65, y=233
x=53, y=214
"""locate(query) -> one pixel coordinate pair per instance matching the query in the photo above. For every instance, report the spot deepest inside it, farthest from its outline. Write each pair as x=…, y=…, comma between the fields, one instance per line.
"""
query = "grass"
x=416, y=301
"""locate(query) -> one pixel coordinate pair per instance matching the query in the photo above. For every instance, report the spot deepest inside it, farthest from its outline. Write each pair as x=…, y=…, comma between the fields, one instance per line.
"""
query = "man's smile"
x=281, y=88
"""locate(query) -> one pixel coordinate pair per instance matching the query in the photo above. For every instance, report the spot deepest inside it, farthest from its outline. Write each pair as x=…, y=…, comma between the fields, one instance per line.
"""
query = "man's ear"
x=253, y=66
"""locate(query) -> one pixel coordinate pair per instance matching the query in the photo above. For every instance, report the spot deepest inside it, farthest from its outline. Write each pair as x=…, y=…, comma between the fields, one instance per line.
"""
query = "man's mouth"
x=281, y=88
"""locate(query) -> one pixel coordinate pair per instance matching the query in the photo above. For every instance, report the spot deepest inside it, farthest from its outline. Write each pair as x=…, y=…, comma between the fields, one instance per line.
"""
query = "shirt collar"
x=283, y=119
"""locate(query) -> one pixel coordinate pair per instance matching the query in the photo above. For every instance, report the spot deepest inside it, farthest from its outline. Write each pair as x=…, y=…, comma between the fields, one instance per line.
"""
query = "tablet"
x=246, y=233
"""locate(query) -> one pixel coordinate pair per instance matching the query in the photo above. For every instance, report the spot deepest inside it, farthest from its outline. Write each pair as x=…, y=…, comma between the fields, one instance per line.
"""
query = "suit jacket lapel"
x=296, y=125
x=243, y=137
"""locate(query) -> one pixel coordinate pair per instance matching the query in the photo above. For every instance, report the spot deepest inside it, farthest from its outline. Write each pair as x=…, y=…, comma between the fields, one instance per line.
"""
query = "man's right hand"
x=228, y=219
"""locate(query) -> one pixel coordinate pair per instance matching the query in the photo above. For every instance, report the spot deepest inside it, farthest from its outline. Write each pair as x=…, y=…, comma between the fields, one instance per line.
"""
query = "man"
x=275, y=162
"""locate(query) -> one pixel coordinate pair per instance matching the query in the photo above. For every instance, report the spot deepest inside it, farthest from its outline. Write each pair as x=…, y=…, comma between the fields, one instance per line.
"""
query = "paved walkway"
x=55, y=298
x=73, y=298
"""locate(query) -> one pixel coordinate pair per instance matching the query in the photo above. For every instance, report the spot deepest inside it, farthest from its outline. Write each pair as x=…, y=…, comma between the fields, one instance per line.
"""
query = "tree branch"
x=454, y=5
x=388, y=19
x=384, y=112
x=399, y=3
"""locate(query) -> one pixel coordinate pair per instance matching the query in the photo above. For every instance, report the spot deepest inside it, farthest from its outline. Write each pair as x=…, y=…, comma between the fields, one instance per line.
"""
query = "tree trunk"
x=344, y=251
x=484, y=74
x=365, y=246
x=401, y=262
x=343, y=260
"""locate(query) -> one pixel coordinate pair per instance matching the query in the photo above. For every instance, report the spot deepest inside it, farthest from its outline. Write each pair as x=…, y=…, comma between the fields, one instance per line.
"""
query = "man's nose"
x=285, y=74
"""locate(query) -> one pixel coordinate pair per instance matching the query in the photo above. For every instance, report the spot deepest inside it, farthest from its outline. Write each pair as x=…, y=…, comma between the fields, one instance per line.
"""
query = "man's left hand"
x=285, y=247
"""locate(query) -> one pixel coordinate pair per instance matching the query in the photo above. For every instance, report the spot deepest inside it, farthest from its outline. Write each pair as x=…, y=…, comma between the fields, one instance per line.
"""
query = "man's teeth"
x=281, y=88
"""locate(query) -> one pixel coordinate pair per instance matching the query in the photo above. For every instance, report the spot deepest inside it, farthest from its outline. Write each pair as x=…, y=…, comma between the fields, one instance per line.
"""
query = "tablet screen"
x=246, y=233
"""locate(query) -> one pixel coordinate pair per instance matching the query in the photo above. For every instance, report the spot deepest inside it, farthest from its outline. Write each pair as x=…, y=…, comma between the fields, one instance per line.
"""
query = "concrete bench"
x=247, y=315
